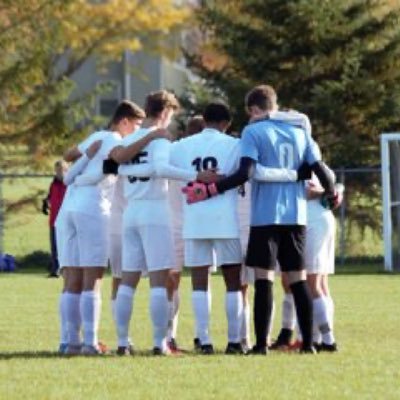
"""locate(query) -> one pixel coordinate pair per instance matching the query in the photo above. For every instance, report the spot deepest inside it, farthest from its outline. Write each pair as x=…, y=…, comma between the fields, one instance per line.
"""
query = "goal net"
x=390, y=156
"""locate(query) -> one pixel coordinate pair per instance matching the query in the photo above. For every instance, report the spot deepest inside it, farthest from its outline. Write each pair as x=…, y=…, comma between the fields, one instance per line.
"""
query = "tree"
x=44, y=42
x=336, y=60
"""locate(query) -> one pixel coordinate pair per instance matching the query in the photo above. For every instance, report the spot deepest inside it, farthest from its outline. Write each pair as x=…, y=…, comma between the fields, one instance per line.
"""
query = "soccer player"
x=87, y=219
x=278, y=212
x=66, y=245
x=148, y=245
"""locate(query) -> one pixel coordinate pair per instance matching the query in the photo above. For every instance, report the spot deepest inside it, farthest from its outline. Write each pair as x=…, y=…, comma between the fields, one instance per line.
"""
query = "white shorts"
x=148, y=248
x=115, y=253
x=67, y=245
x=200, y=252
x=320, y=245
x=86, y=239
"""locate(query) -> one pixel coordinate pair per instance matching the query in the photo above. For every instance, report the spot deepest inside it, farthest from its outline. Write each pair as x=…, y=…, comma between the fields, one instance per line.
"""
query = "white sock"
x=73, y=317
x=90, y=306
x=298, y=332
x=159, y=316
x=288, y=312
x=330, y=305
x=173, y=307
x=234, y=313
x=63, y=318
x=271, y=322
x=321, y=320
x=201, y=302
x=245, y=326
x=123, y=313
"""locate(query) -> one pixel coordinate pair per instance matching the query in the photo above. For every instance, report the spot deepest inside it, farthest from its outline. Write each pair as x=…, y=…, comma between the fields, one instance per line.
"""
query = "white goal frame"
x=387, y=204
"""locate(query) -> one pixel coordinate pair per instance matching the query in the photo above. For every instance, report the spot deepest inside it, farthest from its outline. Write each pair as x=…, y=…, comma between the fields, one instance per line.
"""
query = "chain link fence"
x=24, y=230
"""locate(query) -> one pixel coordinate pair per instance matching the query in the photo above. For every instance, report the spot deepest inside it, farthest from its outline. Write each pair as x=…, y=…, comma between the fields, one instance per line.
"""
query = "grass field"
x=367, y=366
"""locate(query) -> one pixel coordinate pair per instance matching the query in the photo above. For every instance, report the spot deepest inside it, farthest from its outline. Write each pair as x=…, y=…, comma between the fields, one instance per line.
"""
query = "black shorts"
x=272, y=244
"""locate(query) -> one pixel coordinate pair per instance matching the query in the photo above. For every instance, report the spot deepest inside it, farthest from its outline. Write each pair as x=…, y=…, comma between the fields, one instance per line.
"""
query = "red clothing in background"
x=55, y=198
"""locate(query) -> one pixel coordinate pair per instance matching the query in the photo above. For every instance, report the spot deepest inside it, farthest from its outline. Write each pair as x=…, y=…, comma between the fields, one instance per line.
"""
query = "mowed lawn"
x=367, y=366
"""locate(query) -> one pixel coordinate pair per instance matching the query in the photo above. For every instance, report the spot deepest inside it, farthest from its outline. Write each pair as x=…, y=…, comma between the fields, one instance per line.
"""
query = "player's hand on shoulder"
x=161, y=133
x=209, y=176
x=93, y=148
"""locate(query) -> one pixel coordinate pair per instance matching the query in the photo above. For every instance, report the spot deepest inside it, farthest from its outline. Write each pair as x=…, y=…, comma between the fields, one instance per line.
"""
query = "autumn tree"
x=44, y=42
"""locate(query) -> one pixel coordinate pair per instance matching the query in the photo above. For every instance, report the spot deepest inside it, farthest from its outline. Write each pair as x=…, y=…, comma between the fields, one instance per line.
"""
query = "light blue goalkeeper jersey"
x=277, y=144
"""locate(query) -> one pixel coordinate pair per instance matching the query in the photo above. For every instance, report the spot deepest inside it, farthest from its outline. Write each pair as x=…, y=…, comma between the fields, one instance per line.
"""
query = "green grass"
x=367, y=366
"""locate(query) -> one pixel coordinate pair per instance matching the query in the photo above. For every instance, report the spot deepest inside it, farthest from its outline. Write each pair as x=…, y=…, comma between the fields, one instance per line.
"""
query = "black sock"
x=262, y=310
x=304, y=310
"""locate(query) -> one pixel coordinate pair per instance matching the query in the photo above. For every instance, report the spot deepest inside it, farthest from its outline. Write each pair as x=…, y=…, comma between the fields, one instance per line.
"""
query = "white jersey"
x=95, y=199
x=217, y=217
x=147, y=197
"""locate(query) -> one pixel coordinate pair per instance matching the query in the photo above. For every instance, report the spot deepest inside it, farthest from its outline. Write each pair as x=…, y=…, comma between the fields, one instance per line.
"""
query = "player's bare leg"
x=201, y=302
x=90, y=307
x=233, y=307
x=323, y=329
x=123, y=307
x=73, y=289
x=173, y=283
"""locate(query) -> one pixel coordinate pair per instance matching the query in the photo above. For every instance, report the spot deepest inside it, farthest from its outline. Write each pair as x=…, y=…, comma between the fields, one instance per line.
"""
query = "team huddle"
x=147, y=206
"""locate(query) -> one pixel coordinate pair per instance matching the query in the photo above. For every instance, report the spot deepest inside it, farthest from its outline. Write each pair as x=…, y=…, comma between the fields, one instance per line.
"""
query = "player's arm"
x=137, y=170
x=164, y=169
x=123, y=154
x=265, y=174
x=80, y=164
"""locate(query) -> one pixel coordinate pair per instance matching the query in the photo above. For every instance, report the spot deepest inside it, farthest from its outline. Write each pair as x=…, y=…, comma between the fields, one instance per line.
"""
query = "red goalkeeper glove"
x=197, y=191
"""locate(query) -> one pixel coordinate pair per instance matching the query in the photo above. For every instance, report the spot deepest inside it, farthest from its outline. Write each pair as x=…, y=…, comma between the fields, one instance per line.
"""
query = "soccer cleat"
x=62, y=348
x=246, y=346
x=102, y=347
x=283, y=340
x=197, y=344
x=329, y=348
x=258, y=350
x=308, y=350
x=206, y=349
x=125, y=350
x=296, y=345
x=174, y=348
x=88, y=350
x=157, y=351
x=73, y=349
x=235, y=348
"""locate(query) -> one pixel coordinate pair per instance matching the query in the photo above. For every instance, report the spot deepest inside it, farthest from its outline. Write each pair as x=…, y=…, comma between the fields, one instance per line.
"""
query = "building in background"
x=132, y=78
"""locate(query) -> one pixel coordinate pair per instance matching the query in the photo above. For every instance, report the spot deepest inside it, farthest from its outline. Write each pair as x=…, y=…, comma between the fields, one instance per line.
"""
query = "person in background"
x=51, y=205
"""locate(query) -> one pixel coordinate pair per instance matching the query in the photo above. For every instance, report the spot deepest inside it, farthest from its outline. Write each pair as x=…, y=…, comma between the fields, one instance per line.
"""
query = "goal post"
x=390, y=161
